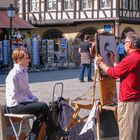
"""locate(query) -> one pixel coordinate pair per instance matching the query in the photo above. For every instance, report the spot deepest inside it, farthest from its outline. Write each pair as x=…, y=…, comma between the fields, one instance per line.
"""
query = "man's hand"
x=111, y=57
x=98, y=60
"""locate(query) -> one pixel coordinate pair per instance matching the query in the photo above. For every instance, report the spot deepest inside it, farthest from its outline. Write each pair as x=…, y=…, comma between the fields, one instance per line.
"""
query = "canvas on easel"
x=105, y=43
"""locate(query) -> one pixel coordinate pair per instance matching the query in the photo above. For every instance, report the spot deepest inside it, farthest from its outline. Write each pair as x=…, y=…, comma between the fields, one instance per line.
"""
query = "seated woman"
x=20, y=100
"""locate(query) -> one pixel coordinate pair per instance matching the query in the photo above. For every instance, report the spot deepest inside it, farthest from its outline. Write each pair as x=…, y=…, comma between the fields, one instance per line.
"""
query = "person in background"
x=129, y=93
x=93, y=54
x=20, y=100
x=75, y=54
x=85, y=51
x=121, y=50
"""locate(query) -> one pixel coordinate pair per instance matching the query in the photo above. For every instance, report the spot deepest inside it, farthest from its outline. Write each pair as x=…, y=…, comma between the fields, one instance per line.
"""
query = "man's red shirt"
x=128, y=70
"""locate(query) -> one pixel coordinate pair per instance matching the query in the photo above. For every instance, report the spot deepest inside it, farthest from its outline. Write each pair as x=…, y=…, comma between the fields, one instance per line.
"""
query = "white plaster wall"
x=5, y=3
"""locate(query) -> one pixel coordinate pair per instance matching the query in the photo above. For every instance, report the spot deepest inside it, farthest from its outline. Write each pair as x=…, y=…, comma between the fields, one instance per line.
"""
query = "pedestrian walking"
x=121, y=50
x=85, y=51
x=129, y=94
x=20, y=99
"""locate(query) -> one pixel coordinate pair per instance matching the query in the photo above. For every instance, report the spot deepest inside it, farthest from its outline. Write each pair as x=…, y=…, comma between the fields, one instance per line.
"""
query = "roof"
x=17, y=22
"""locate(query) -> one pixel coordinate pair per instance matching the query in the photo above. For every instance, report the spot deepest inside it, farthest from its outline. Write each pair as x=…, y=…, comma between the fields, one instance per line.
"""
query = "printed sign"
x=35, y=51
x=107, y=28
x=5, y=52
x=50, y=45
x=44, y=51
x=63, y=43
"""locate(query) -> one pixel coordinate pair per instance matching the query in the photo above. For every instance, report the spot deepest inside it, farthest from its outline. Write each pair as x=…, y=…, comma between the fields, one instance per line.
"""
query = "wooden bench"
x=22, y=117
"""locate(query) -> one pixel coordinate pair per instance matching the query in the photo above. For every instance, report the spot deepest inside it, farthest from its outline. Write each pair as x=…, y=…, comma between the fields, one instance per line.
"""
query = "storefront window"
x=34, y=5
x=51, y=4
x=69, y=5
x=86, y=4
x=105, y=4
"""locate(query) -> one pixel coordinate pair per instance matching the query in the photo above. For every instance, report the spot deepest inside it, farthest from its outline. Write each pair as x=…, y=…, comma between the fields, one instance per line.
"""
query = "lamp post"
x=10, y=14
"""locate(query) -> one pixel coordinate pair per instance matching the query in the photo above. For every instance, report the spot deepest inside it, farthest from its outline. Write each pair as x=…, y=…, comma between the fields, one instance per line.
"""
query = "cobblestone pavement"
x=42, y=84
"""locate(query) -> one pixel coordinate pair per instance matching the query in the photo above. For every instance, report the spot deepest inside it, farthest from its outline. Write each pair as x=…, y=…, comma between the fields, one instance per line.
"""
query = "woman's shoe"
x=82, y=81
x=90, y=80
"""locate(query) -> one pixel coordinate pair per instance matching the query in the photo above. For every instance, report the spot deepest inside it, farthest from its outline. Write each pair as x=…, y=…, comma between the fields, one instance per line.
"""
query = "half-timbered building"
x=73, y=18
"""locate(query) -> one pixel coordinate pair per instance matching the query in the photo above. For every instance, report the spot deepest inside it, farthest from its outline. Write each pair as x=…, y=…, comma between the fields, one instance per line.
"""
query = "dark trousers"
x=82, y=71
x=42, y=112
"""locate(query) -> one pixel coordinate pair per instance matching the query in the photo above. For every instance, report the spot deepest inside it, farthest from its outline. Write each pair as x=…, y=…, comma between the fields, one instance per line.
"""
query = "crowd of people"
x=19, y=97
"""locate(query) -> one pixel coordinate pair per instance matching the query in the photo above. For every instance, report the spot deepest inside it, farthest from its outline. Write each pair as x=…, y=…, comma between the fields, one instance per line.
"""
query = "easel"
x=88, y=104
x=105, y=86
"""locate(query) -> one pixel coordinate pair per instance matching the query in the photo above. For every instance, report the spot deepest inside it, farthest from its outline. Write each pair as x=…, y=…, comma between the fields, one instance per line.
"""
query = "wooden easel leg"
x=94, y=84
x=93, y=94
x=72, y=120
x=98, y=126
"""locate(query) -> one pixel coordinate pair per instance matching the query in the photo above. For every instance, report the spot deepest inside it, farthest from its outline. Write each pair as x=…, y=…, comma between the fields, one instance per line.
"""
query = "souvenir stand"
x=63, y=43
x=44, y=51
x=0, y=54
x=35, y=51
x=5, y=54
x=107, y=91
x=27, y=41
x=50, y=51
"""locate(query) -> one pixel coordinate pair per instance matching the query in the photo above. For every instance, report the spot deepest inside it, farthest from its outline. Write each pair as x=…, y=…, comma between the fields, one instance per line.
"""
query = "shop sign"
x=107, y=28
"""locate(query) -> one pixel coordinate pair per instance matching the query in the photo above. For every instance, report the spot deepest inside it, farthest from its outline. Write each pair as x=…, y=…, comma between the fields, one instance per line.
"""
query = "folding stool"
x=23, y=117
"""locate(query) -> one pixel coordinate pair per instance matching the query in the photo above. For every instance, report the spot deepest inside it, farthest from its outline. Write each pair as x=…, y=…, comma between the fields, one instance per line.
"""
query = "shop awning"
x=17, y=22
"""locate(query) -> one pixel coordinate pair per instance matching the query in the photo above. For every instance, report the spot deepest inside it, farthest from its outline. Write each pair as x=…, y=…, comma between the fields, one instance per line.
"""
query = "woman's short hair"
x=19, y=53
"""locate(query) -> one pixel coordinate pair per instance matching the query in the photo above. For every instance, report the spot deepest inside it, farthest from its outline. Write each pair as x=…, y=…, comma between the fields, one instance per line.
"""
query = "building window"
x=19, y=5
x=135, y=4
x=51, y=5
x=69, y=5
x=125, y=4
x=86, y=4
x=34, y=5
x=105, y=4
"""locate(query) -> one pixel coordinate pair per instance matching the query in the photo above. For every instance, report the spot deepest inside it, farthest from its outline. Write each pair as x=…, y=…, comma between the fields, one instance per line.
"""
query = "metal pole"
x=10, y=44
